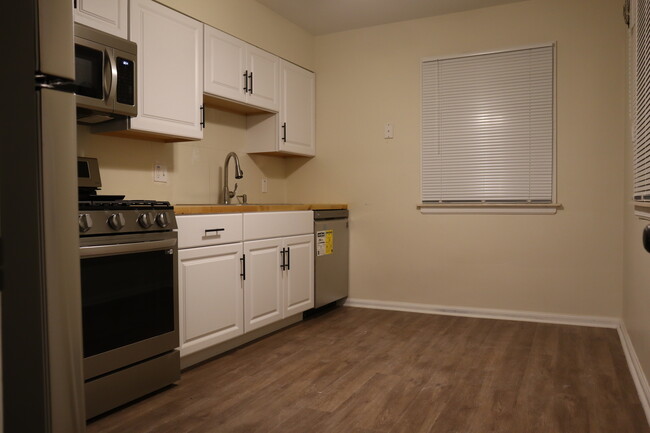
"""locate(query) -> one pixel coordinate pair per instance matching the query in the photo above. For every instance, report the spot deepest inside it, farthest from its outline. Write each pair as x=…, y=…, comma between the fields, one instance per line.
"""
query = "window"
x=488, y=128
x=640, y=97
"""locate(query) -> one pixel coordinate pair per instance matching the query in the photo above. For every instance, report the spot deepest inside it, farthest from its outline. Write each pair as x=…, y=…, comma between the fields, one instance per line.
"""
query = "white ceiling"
x=320, y=17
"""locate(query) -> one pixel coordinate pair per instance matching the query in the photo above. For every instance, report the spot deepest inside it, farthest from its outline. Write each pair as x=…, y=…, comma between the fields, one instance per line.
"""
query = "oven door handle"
x=136, y=247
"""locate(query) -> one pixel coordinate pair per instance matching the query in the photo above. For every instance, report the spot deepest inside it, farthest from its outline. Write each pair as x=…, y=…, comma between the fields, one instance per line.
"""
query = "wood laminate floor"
x=357, y=370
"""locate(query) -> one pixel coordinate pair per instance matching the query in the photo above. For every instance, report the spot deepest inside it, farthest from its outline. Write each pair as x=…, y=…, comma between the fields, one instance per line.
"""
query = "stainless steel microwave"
x=105, y=76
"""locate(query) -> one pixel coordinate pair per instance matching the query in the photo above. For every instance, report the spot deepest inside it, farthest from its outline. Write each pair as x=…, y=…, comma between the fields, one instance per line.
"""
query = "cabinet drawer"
x=263, y=225
x=202, y=230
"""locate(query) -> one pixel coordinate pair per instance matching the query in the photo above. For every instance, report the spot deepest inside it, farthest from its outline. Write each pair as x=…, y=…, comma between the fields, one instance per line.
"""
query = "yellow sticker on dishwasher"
x=324, y=242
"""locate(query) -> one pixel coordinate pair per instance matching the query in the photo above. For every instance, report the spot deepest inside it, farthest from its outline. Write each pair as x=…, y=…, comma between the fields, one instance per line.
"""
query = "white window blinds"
x=640, y=28
x=487, y=127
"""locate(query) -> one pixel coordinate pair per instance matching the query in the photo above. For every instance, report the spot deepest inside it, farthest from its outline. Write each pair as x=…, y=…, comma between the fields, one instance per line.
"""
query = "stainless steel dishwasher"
x=332, y=243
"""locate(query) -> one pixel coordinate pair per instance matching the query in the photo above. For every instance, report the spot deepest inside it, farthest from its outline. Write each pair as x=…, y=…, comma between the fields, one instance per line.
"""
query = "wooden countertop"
x=194, y=209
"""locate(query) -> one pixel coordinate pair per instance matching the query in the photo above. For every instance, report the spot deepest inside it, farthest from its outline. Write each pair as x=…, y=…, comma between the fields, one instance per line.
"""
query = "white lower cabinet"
x=279, y=279
x=263, y=283
x=241, y=272
x=299, y=274
x=211, y=296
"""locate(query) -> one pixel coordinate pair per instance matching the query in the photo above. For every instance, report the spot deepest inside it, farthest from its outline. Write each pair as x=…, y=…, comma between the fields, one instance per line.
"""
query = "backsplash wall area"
x=195, y=168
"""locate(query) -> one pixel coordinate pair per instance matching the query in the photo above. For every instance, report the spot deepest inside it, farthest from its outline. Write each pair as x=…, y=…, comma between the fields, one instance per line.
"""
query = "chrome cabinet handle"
x=216, y=231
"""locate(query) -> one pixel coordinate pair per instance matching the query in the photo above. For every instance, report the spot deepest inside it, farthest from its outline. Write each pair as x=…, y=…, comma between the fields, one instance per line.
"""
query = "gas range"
x=129, y=291
x=100, y=216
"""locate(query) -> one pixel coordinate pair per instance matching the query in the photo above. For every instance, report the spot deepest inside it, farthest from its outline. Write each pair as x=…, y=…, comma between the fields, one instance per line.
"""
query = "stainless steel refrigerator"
x=39, y=251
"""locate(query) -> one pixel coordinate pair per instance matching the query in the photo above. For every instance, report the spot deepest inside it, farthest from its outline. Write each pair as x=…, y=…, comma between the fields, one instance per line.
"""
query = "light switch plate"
x=265, y=185
x=388, y=130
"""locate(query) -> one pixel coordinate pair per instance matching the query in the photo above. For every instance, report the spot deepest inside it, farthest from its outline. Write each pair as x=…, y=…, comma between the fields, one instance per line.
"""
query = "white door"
x=170, y=70
x=299, y=274
x=211, y=296
x=225, y=64
x=264, y=83
x=107, y=16
x=297, y=120
x=262, y=283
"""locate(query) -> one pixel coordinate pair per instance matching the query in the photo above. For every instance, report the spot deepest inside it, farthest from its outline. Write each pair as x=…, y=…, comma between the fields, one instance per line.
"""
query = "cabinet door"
x=299, y=276
x=225, y=64
x=297, y=113
x=170, y=70
x=211, y=296
x=107, y=16
x=263, y=283
x=264, y=84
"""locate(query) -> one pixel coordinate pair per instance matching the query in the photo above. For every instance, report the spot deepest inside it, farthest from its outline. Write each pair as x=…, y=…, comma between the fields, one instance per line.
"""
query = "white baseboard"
x=486, y=313
x=639, y=377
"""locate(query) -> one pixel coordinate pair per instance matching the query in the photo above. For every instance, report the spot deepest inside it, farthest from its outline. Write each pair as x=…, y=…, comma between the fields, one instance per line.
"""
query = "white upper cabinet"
x=264, y=79
x=107, y=16
x=225, y=65
x=170, y=71
x=297, y=114
x=293, y=130
x=239, y=71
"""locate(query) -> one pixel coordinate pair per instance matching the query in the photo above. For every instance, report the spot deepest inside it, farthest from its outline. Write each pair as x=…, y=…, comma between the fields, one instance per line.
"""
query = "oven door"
x=129, y=295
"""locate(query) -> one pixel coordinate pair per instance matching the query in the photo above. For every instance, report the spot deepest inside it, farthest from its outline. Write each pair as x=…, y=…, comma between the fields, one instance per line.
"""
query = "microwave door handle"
x=110, y=75
x=136, y=247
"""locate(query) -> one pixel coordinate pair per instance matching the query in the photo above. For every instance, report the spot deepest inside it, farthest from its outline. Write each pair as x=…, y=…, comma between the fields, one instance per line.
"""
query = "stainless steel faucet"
x=227, y=194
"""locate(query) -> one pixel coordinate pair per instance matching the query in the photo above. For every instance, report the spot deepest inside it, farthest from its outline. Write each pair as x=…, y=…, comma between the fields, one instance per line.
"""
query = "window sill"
x=491, y=208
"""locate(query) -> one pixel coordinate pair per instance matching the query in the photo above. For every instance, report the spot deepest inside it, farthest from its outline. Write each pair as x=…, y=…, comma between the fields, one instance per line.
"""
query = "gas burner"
x=99, y=204
x=111, y=214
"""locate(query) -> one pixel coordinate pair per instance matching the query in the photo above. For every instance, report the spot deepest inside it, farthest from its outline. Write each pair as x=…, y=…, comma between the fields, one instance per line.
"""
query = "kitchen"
x=585, y=261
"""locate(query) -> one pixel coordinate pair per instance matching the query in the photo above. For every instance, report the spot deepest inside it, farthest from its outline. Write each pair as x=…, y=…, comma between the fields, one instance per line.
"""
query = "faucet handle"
x=234, y=191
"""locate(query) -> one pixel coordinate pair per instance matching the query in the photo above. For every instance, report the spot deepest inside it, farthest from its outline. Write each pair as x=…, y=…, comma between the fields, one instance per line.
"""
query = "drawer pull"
x=215, y=231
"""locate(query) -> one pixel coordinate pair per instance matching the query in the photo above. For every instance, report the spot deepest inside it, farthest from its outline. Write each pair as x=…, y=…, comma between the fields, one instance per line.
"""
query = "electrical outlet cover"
x=159, y=173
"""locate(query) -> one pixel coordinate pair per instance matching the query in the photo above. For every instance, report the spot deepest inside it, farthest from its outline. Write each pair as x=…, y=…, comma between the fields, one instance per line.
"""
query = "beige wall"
x=253, y=23
x=568, y=263
x=195, y=167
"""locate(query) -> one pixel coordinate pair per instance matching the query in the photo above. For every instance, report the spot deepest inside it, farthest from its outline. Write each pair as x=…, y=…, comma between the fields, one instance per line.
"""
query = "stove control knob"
x=162, y=219
x=116, y=221
x=85, y=222
x=146, y=220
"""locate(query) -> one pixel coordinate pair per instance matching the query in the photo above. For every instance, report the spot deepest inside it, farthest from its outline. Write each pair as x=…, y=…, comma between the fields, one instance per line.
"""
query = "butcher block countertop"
x=194, y=209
